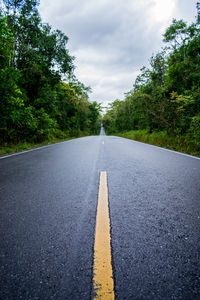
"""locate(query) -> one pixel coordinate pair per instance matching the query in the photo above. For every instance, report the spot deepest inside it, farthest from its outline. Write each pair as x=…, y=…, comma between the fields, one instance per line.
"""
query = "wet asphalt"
x=48, y=201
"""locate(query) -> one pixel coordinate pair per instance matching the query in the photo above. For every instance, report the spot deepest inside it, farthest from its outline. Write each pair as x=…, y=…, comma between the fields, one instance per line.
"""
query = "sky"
x=113, y=39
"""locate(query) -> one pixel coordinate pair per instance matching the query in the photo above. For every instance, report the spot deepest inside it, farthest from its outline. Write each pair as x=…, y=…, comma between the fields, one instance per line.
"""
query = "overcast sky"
x=113, y=39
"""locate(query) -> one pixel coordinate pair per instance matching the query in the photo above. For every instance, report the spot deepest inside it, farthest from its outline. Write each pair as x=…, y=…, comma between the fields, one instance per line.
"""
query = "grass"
x=12, y=148
x=162, y=139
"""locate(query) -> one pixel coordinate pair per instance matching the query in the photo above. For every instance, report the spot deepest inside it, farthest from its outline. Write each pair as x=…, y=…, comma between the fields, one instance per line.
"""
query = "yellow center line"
x=103, y=275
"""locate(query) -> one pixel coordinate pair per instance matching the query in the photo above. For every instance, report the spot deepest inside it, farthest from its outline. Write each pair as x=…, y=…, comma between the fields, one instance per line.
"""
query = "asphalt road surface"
x=48, y=203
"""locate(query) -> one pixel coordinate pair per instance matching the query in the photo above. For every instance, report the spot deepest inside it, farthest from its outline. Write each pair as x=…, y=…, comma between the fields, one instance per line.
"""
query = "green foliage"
x=182, y=143
x=176, y=34
x=194, y=130
x=166, y=96
x=6, y=40
x=36, y=104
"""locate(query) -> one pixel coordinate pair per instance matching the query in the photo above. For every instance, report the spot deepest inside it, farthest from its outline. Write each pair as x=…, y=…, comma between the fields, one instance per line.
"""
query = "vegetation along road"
x=70, y=210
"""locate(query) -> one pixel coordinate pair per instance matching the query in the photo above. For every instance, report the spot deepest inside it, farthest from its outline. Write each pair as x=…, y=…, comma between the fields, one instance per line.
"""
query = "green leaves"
x=35, y=104
x=176, y=33
x=6, y=42
x=165, y=96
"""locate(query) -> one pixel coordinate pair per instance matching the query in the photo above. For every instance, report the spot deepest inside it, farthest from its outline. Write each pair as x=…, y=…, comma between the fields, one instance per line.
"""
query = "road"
x=48, y=205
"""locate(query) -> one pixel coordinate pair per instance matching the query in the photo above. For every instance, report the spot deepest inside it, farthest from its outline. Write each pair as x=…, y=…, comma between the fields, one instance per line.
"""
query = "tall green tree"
x=35, y=102
x=165, y=96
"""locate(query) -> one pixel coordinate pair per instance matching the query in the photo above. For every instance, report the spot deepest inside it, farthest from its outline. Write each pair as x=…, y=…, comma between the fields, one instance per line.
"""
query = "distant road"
x=48, y=204
x=102, y=132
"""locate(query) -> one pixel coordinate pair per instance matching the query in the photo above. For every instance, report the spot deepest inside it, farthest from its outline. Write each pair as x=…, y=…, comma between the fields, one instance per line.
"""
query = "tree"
x=165, y=96
x=35, y=102
x=11, y=96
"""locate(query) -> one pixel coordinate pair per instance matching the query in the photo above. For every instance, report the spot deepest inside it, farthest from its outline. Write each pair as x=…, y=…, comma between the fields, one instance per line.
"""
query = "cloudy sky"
x=113, y=39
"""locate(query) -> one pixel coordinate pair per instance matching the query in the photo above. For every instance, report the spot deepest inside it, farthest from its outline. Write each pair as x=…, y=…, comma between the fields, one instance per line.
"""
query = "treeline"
x=36, y=103
x=166, y=96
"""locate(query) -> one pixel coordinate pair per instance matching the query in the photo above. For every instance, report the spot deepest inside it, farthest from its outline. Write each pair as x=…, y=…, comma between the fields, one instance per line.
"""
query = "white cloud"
x=163, y=10
x=112, y=40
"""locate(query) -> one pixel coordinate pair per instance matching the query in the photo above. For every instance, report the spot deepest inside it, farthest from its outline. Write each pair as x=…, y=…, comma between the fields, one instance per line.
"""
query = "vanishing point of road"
x=72, y=209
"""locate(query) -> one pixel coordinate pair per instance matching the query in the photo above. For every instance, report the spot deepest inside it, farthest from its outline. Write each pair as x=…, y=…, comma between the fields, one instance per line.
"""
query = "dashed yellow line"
x=103, y=274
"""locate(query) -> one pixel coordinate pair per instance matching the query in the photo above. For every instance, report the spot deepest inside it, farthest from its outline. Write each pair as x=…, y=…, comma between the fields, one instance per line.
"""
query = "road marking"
x=22, y=152
x=33, y=149
x=165, y=149
x=103, y=276
x=103, y=142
